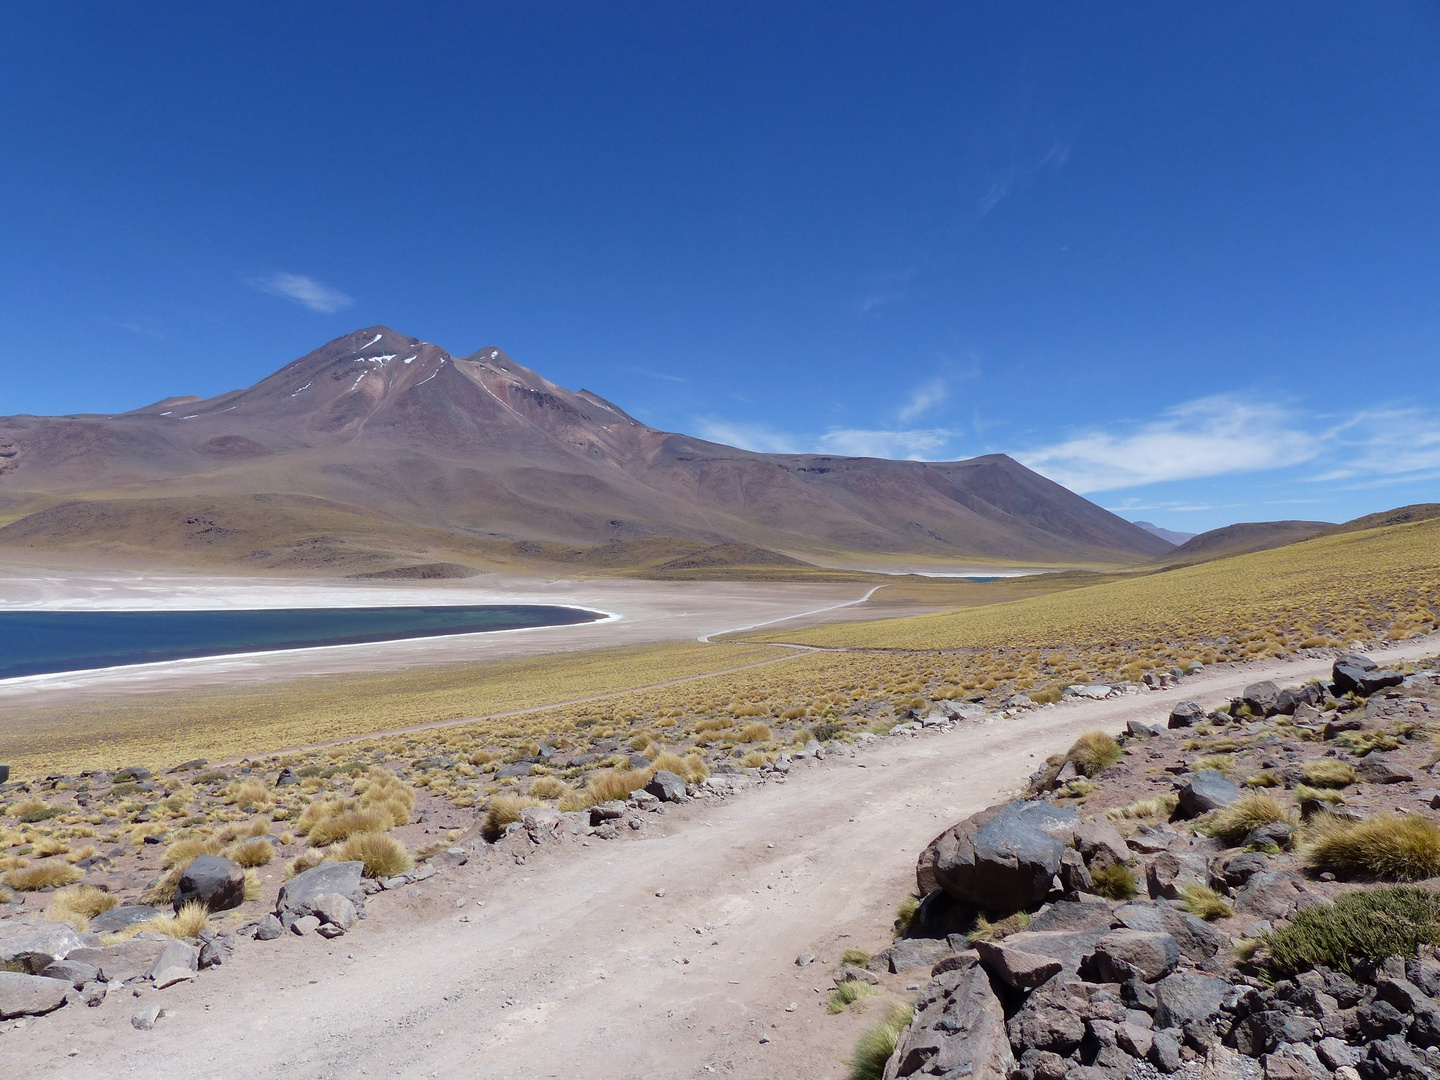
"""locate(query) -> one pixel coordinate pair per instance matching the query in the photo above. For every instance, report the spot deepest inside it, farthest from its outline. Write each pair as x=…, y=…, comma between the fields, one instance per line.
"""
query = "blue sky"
x=1185, y=260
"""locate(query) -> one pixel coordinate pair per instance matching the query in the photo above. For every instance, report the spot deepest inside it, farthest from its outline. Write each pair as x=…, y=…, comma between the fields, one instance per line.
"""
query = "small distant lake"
x=45, y=642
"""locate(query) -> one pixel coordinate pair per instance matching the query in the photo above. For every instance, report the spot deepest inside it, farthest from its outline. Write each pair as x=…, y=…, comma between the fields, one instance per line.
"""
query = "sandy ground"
x=645, y=612
x=573, y=965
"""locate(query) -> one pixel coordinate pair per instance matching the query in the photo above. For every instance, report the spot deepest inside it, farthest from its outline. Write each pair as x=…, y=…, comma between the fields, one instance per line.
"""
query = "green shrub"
x=1115, y=882
x=877, y=1043
x=1388, y=847
x=826, y=731
x=1367, y=925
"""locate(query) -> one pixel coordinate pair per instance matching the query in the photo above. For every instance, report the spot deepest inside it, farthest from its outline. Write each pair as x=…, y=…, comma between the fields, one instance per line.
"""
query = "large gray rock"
x=1003, y=859
x=541, y=823
x=1069, y=947
x=217, y=883
x=1262, y=698
x=1187, y=997
x=32, y=945
x=666, y=786
x=118, y=918
x=908, y=953
x=1186, y=714
x=1207, y=790
x=959, y=1030
x=125, y=960
x=1051, y=1020
x=1014, y=967
x=299, y=896
x=335, y=910
x=1198, y=940
x=1100, y=843
x=73, y=972
x=30, y=995
x=1170, y=872
x=1142, y=954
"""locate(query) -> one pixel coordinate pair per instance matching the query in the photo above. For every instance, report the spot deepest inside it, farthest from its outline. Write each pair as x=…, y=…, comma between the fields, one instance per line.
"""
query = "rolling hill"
x=380, y=447
x=1242, y=538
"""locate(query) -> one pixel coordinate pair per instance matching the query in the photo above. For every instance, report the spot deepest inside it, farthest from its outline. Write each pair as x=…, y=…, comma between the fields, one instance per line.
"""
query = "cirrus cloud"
x=1210, y=436
x=305, y=291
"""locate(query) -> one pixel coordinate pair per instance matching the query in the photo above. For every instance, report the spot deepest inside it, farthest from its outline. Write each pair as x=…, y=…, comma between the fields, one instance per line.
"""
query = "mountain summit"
x=483, y=447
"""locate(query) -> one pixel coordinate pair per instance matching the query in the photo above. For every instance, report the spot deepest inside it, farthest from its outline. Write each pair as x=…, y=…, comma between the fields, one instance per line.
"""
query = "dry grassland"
x=161, y=730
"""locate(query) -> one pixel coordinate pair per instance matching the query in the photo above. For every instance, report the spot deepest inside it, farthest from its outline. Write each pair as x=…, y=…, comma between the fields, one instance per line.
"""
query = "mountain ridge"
x=489, y=449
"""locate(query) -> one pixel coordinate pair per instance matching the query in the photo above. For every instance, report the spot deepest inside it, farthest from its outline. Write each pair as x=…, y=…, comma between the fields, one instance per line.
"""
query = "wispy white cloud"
x=1008, y=180
x=655, y=374
x=926, y=397
x=306, y=291
x=909, y=444
x=914, y=445
x=1384, y=444
x=1211, y=436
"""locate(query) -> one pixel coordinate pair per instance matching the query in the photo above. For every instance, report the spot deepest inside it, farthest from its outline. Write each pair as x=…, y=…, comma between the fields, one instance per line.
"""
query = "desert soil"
x=574, y=965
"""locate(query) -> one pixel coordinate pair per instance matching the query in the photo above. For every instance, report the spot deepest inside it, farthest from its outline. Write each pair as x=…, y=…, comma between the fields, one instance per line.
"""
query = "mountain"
x=1243, y=538
x=1170, y=536
x=383, y=434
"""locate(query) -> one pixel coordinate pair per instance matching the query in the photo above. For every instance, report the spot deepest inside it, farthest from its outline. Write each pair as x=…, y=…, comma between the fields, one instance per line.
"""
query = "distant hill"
x=380, y=434
x=1243, y=538
x=1168, y=535
x=1402, y=515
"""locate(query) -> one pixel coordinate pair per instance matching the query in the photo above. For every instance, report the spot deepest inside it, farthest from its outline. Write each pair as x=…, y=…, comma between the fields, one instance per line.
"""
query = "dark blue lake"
x=42, y=642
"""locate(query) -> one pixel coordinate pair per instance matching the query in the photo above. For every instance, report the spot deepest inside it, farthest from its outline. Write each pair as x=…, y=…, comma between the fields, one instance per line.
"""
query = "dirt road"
x=576, y=967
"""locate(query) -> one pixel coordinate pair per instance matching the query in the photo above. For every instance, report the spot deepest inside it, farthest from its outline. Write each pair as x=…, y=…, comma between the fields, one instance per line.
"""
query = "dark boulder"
x=217, y=883
x=1186, y=714
x=1186, y=997
x=958, y=1030
x=1003, y=859
x=1207, y=790
x=306, y=892
x=118, y=918
x=666, y=786
x=1261, y=698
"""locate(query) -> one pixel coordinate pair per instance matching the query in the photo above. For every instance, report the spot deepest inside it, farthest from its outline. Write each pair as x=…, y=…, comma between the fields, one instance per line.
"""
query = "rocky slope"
x=1256, y=944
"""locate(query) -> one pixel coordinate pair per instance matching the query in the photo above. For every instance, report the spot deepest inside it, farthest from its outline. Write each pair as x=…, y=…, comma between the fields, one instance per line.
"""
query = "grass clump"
x=856, y=957
x=185, y=923
x=607, y=785
x=754, y=731
x=877, y=1043
x=502, y=812
x=1328, y=774
x=49, y=874
x=1161, y=807
x=1093, y=753
x=847, y=993
x=548, y=787
x=382, y=855
x=78, y=904
x=381, y=791
x=1114, y=882
x=183, y=852
x=256, y=851
x=1367, y=925
x=905, y=912
x=347, y=822
x=1244, y=816
x=1388, y=847
x=306, y=860
x=691, y=767
x=985, y=930
x=1204, y=902
x=33, y=811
